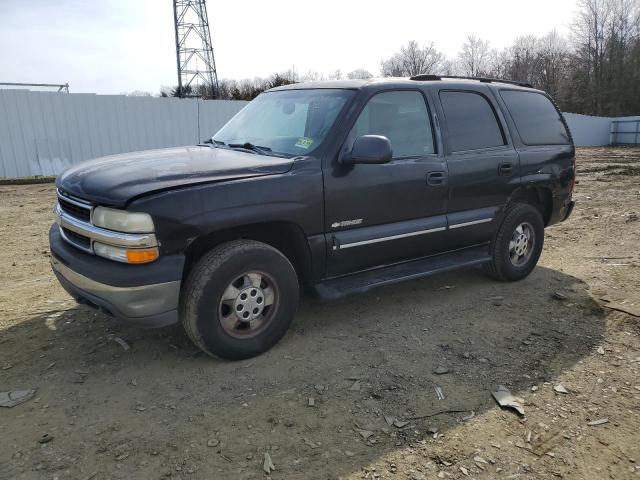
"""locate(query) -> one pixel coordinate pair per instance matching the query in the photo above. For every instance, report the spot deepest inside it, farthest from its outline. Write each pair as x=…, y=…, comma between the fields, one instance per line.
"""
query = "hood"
x=116, y=179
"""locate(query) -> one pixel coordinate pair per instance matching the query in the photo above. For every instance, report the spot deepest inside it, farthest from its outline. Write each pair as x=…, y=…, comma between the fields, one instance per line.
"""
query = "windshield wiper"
x=211, y=143
x=248, y=146
x=252, y=147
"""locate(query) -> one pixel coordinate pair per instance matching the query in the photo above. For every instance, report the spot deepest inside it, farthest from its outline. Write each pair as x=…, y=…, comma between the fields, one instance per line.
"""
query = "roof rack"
x=425, y=77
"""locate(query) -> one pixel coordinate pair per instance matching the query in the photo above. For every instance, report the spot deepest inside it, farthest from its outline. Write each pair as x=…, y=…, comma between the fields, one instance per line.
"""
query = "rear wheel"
x=239, y=299
x=517, y=245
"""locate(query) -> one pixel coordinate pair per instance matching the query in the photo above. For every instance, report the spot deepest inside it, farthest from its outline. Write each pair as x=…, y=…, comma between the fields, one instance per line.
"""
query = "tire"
x=508, y=243
x=233, y=281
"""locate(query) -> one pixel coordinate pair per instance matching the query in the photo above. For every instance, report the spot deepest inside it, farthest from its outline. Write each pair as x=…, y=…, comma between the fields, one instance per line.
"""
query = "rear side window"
x=471, y=121
x=537, y=120
x=402, y=117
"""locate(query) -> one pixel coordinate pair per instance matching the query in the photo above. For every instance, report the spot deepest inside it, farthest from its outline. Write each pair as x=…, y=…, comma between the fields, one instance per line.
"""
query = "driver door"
x=386, y=213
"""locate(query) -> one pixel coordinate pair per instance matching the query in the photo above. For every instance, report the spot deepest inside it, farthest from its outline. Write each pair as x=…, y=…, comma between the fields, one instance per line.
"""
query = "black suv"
x=335, y=186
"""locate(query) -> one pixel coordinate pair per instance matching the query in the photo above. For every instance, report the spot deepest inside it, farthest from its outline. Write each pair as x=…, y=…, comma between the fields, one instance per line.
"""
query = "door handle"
x=436, y=178
x=505, y=169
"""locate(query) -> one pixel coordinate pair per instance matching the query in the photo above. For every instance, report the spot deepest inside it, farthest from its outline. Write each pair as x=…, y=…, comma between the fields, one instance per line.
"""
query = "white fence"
x=591, y=131
x=588, y=131
x=42, y=133
x=625, y=131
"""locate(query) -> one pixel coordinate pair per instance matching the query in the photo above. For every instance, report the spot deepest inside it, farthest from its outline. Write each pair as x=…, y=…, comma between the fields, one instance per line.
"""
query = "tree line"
x=594, y=70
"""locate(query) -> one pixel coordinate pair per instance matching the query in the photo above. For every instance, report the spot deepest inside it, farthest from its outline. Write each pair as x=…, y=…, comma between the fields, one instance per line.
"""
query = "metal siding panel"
x=146, y=125
x=156, y=112
x=74, y=130
x=102, y=124
x=111, y=136
x=171, y=129
x=63, y=133
x=56, y=138
x=25, y=122
x=123, y=125
x=143, y=127
x=43, y=150
x=191, y=121
x=137, y=138
x=82, y=127
x=48, y=141
x=13, y=137
x=45, y=132
x=88, y=118
x=115, y=143
x=42, y=134
x=7, y=151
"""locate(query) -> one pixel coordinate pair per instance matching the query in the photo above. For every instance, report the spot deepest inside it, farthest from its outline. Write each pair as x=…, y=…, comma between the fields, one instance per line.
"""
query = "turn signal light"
x=126, y=255
x=142, y=256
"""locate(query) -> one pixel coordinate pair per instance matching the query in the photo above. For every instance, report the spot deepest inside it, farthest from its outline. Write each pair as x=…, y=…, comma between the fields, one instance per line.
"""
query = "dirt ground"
x=368, y=363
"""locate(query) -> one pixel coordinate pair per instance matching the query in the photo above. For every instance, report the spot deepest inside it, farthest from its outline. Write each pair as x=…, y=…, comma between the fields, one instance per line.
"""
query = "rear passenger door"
x=483, y=164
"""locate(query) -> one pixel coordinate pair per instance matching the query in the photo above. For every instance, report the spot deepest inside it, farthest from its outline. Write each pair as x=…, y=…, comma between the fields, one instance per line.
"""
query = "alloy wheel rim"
x=248, y=304
x=521, y=244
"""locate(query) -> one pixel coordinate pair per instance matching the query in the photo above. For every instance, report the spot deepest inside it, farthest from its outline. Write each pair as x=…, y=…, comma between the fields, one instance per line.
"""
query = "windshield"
x=289, y=122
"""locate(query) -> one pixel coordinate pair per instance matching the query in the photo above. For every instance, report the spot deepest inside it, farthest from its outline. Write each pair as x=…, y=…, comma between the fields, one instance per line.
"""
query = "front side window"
x=402, y=117
x=286, y=122
x=537, y=120
x=471, y=121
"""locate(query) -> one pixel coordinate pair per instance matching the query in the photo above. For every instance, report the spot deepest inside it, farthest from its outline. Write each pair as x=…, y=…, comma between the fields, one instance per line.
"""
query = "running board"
x=361, y=282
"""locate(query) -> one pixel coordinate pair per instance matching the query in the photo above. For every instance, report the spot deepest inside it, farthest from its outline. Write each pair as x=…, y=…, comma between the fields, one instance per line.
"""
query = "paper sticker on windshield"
x=304, y=142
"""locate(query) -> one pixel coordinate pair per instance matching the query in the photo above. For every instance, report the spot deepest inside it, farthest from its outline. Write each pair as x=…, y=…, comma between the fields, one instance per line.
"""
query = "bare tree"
x=522, y=59
x=359, y=73
x=413, y=60
x=312, y=76
x=542, y=62
x=392, y=67
x=552, y=63
x=137, y=93
x=336, y=75
x=589, y=37
x=475, y=58
x=596, y=71
x=605, y=66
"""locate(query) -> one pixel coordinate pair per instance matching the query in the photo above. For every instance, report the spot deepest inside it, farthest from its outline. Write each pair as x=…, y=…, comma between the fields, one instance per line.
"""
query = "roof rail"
x=426, y=77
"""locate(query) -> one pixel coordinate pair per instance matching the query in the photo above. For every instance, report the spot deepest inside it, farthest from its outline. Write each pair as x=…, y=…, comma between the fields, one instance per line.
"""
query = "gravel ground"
x=352, y=390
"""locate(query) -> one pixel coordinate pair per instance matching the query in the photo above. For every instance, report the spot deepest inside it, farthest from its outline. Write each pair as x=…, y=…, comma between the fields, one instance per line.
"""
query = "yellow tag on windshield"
x=304, y=142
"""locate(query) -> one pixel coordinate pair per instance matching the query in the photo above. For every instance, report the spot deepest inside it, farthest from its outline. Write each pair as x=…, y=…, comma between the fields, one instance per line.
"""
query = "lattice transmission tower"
x=194, y=51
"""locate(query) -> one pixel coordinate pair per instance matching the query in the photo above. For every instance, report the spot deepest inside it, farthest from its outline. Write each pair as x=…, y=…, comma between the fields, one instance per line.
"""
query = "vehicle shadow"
x=316, y=402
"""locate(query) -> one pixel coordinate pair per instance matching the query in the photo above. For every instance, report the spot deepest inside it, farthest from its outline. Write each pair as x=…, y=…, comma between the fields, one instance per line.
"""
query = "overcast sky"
x=113, y=46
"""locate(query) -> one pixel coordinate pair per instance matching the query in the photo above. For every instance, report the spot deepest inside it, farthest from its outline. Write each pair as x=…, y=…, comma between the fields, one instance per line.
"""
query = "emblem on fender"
x=346, y=223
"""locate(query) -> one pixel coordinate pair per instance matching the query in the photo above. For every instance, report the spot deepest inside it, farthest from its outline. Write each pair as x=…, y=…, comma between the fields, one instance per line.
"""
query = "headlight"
x=126, y=255
x=122, y=221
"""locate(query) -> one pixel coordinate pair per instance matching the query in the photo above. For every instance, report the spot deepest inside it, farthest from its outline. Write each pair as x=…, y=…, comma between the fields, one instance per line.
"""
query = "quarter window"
x=537, y=120
x=471, y=121
x=402, y=117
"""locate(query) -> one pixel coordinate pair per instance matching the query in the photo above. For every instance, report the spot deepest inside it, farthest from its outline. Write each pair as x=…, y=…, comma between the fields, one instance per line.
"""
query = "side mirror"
x=372, y=149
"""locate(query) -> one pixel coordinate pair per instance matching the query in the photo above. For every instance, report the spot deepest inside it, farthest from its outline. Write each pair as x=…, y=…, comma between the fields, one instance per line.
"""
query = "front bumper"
x=129, y=295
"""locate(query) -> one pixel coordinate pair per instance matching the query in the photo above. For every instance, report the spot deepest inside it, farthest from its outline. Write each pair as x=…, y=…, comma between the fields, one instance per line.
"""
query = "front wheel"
x=517, y=245
x=239, y=299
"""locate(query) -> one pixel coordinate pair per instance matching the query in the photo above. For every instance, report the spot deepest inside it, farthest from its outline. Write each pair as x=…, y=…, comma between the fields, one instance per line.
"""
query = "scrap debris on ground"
x=396, y=383
x=15, y=397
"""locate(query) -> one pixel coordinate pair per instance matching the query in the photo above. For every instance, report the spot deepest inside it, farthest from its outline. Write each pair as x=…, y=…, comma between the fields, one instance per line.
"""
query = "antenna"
x=194, y=51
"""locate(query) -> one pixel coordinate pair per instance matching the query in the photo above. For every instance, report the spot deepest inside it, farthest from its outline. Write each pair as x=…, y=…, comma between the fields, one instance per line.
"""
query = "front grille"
x=76, y=211
x=77, y=239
